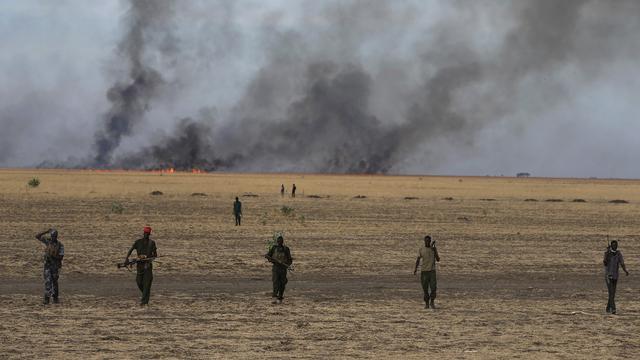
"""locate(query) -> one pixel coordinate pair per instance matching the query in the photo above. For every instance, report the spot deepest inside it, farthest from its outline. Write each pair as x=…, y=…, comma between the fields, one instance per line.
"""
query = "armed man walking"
x=429, y=255
x=146, y=251
x=280, y=256
x=237, y=211
x=53, y=255
x=612, y=262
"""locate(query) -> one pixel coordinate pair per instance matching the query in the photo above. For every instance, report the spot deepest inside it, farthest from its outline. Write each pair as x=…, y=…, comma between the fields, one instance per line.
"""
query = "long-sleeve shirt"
x=613, y=261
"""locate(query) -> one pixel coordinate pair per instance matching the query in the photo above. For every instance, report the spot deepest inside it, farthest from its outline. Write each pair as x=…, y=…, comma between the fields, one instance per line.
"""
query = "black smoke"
x=320, y=103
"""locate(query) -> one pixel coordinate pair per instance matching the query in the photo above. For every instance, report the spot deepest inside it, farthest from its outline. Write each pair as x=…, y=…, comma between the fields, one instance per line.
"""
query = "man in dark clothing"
x=53, y=255
x=280, y=256
x=237, y=211
x=282, y=190
x=612, y=261
x=145, y=249
x=293, y=191
x=429, y=255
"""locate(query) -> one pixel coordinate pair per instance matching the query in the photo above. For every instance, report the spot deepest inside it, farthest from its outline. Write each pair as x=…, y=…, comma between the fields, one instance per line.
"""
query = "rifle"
x=275, y=261
x=129, y=263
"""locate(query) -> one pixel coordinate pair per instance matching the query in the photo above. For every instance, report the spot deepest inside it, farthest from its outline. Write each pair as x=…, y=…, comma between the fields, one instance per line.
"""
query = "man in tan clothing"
x=429, y=255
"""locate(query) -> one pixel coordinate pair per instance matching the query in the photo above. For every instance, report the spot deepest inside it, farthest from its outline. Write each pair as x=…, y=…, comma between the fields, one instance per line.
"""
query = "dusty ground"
x=518, y=279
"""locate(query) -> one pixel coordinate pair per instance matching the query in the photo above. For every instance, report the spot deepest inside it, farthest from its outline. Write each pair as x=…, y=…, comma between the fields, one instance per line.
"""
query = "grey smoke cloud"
x=482, y=87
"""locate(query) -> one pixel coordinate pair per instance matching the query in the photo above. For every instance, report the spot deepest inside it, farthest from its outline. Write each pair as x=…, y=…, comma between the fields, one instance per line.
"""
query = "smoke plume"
x=356, y=86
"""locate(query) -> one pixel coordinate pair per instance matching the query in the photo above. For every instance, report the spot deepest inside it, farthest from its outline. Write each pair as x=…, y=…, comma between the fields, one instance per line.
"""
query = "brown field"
x=518, y=279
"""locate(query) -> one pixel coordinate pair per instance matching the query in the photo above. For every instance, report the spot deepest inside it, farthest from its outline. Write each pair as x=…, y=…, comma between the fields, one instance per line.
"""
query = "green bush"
x=34, y=183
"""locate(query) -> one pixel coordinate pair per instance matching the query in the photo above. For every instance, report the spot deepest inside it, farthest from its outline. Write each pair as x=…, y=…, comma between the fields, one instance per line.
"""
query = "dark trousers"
x=144, y=279
x=611, y=286
x=429, y=282
x=279, y=278
x=238, y=219
x=51, y=275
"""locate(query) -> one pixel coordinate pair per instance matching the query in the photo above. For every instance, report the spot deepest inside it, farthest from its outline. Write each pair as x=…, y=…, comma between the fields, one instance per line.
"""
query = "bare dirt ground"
x=518, y=279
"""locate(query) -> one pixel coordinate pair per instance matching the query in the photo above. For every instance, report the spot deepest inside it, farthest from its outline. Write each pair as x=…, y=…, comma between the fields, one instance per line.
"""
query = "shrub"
x=117, y=208
x=286, y=210
x=34, y=183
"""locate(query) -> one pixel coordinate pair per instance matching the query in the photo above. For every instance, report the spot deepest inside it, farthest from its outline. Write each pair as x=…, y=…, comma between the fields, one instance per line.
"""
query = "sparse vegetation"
x=117, y=208
x=359, y=197
x=410, y=198
x=487, y=199
x=554, y=200
x=531, y=200
x=157, y=192
x=287, y=210
x=314, y=196
x=250, y=195
x=34, y=183
x=448, y=198
x=579, y=200
x=198, y=194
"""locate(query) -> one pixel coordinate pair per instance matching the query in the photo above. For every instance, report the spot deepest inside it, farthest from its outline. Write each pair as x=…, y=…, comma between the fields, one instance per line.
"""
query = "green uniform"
x=282, y=254
x=144, y=276
x=428, y=272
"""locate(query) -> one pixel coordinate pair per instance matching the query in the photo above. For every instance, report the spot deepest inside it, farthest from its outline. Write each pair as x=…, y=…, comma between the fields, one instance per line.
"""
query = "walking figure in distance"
x=429, y=255
x=612, y=261
x=280, y=256
x=237, y=211
x=145, y=249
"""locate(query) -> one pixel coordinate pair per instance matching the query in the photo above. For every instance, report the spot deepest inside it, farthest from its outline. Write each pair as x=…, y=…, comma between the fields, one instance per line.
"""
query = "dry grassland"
x=518, y=279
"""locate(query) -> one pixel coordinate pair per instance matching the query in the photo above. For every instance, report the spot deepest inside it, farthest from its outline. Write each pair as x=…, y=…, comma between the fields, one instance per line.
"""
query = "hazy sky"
x=483, y=87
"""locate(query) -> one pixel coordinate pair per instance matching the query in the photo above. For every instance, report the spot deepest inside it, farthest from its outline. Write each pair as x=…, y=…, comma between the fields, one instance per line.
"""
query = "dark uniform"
x=282, y=254
x=53, y=255
x=612, y=261
x=293, y=190
x=144, y=276
x=237, y=211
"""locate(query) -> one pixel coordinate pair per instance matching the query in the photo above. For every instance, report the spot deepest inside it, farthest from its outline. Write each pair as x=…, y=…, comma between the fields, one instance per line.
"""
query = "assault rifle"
x=276, y=261
x=130, y=262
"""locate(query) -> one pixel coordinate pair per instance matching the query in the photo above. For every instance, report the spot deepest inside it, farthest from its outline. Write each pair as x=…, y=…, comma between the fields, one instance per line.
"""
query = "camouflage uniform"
x=282, y=254
x=53, y=255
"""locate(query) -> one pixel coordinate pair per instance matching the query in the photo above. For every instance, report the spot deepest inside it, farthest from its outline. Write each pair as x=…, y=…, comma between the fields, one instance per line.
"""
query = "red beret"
x=147, y=230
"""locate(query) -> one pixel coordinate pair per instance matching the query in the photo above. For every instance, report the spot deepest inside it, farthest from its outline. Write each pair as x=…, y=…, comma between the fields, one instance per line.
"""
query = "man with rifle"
x=612, y=261
x=280, y=256
x=146, y=251
x=53, y=255
x=429, y=255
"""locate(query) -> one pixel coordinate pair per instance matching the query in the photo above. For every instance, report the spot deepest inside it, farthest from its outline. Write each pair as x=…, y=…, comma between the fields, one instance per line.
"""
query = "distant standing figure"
x=293, y=191
x=282, y=190
x=612, y=262
x=237, y=211
x=53, y=255
x=280, y=256
x=145, y=249
x=429, y=255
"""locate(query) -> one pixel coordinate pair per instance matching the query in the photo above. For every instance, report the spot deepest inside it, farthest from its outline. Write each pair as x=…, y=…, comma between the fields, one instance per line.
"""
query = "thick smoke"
x=358, y=86
x=131, y=98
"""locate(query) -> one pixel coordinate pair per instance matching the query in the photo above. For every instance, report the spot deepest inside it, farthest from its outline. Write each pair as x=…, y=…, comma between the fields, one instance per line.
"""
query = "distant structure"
x=523, y=175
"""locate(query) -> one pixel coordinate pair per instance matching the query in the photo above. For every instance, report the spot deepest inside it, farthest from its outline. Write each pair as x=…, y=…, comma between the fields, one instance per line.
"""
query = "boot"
x=56, y=300
x=433, y=305
x=45, y=301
